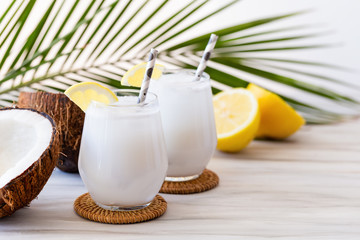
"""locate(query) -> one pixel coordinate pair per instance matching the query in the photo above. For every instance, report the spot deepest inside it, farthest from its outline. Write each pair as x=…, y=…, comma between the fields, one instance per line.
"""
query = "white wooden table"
x=305, y=188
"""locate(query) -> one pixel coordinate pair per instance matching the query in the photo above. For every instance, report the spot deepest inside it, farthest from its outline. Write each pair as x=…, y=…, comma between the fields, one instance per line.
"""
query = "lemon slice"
x=135, y=75
x=278, y=119
x=237, y=119
x=83, y=93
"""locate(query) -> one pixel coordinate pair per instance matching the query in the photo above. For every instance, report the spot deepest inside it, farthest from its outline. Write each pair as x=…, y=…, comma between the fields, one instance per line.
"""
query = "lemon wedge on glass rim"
x=237, y=119
x=83, y=93
x=134, y=76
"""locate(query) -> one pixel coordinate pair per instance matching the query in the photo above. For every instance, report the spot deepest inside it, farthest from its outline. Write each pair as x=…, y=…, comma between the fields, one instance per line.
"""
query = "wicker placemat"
x=86, y=207
x=206, y=181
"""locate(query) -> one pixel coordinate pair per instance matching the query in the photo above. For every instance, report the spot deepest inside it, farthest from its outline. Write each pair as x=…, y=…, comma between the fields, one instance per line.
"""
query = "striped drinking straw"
x=206, y=56
x=147, y=76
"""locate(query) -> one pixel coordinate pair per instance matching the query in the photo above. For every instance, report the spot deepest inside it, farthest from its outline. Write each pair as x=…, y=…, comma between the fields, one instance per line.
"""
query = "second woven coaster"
x=86, y=207
x=206, y=181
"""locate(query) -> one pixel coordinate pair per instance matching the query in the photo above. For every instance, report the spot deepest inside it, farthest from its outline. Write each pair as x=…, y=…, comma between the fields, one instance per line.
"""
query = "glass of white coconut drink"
x=187, y=114
x=123, y=159
x=188, y=121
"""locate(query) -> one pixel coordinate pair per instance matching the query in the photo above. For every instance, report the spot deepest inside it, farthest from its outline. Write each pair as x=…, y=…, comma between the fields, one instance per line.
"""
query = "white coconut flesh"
x=24, y=136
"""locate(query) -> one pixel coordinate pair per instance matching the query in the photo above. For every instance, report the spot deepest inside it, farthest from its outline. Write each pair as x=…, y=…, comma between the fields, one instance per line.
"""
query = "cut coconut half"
x=28, y=154
x=69, y=119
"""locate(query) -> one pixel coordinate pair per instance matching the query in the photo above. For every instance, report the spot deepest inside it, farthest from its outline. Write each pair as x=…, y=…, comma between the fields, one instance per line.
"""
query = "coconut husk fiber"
x=69, y=119
x=20, y=191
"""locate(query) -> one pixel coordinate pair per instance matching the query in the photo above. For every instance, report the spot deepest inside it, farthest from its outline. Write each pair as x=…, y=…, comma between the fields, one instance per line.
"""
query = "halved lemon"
x=237, y=119
x=135, y=75
x=83, y=93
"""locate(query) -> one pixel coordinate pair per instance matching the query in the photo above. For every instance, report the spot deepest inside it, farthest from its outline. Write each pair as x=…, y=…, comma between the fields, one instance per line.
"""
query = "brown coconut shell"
x=69, y=119
x=20, y=191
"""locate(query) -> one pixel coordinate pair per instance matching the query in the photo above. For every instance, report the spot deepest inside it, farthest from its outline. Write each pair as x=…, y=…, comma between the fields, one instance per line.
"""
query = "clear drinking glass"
x=123, y=158
x=188, y=120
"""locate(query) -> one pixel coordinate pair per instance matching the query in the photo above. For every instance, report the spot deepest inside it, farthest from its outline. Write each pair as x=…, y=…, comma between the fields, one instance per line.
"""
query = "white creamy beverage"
x=188, y=121
x=123, y=159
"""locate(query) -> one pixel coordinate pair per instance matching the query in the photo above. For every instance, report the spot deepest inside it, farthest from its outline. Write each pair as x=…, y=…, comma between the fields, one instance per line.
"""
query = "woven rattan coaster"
x=206, y=181
x=87, y=208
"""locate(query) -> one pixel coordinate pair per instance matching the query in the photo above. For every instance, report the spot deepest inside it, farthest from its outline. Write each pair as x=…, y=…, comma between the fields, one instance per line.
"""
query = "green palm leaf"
x=99, y=40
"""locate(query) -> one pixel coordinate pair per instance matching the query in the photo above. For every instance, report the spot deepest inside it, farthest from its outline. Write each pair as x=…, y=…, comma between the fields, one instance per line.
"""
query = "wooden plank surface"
x=305, y=188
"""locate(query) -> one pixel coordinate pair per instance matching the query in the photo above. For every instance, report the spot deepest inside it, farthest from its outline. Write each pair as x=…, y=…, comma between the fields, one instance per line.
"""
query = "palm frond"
x=75, y=41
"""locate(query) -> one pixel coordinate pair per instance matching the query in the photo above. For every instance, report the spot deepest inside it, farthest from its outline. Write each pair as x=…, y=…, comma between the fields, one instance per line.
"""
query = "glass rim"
x=204, y=76
x=148, y=102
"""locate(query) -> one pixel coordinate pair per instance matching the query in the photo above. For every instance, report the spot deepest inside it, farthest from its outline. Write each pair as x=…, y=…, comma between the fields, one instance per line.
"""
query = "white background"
x=338, y=19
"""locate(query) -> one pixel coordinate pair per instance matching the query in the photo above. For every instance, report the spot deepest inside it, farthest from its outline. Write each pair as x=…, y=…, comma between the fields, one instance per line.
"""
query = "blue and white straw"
x=148, y=73
x=206, y=56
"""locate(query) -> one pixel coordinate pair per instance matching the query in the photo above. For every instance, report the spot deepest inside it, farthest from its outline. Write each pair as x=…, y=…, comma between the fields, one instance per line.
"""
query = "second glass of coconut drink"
x=187, y=114
x=188, y=121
